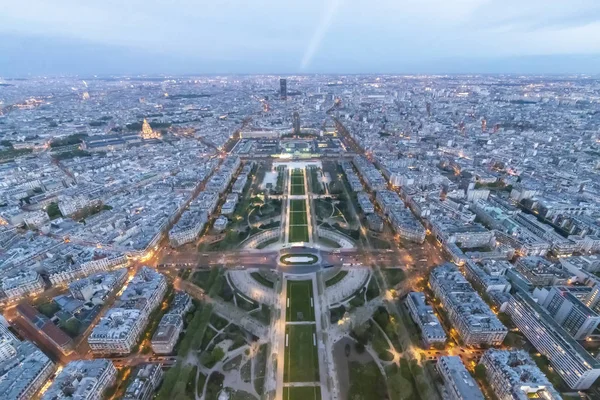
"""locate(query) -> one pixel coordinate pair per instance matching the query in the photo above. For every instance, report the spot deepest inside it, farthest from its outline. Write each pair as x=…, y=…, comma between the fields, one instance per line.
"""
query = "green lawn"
x=338, y=277
x=298, y=218
x=297, y=206
x=366, y=382
x=297, y=190
x=393, y=276
x=301, y=359
x=297, y=183
x=299, y=295
x=262, y=280
x=298, y=233
x=302, y=393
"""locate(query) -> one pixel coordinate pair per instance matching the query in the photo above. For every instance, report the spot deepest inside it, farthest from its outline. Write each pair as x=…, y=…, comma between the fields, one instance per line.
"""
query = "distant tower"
x=428, y=106
x=483, y=125
x=496, y=127
x=283, y=88
x=296, y=122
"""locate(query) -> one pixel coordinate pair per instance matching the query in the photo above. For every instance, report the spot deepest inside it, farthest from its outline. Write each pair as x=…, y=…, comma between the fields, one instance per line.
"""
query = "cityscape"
x=300, y=237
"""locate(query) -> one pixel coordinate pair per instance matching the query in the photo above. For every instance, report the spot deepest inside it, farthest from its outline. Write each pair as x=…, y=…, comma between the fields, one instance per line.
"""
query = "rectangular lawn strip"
x=297, y=190
x=302, y=393
x=298, y=233
x=297, y=206
x=300, y=294
x=298, y=218
x=301, y=358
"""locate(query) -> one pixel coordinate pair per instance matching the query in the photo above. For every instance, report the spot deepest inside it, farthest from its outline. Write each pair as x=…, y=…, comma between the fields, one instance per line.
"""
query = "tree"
x=359, y=347
x=480, y=372
x=53, y=211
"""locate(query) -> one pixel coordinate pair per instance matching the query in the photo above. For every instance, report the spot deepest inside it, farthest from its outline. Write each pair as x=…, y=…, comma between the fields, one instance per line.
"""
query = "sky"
x=41, y=37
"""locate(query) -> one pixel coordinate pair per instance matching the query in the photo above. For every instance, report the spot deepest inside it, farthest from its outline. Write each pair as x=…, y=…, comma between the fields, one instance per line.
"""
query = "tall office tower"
x=483, y=125
x=296, y=122
x=283, y=88
x=574, y=316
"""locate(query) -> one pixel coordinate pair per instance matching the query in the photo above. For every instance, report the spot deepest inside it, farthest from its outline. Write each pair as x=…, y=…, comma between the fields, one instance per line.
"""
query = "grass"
x=298, y=218
x=298, y=233
x=218, y=322
x=400, y=388
x=297, y=179
x=297, y=206
x=302, y=393
x=246, y=372
x=234, y=363
x=393, y=276
x=366, y=382
x=257, y=276
x=299, y=295
x=260, y=366
x=338, y=277
x=195, y=330
x=301, y=359
x=297, y=183
x=380, y=345
x=49, y=309
x=297, y=190
x=200, y=384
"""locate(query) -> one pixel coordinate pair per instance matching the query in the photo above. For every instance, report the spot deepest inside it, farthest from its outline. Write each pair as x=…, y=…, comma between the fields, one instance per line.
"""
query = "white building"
x=117, y=332
x=145, y=381
x=8, y=344
x=24, y=374
x=422, y=313
x=457, y=380
x=82, y=380
x=167, y=333
x=69, y=205
x=469, y=314
x=21, y=284
x=513, y=375
x=230, y=202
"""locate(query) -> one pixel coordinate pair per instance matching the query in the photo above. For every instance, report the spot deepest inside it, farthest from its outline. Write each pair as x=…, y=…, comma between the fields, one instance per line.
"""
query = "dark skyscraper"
x=283, y=88
x=296, y=122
